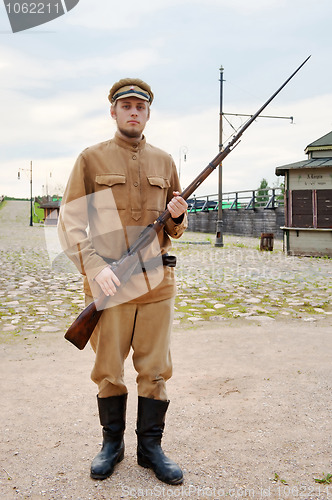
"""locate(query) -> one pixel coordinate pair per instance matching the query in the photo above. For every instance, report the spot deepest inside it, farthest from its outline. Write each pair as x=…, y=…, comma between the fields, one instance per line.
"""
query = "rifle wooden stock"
x=81, y=330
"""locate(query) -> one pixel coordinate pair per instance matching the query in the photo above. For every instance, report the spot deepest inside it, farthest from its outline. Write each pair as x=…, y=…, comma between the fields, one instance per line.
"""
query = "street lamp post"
x=182, y=152
x=19, y=176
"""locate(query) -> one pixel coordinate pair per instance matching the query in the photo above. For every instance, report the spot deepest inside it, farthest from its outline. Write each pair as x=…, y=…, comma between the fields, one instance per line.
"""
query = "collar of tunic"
x=131, y=146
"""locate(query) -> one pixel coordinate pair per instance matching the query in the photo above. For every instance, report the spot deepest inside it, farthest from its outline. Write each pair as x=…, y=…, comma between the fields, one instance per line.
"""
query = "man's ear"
x=113, y=112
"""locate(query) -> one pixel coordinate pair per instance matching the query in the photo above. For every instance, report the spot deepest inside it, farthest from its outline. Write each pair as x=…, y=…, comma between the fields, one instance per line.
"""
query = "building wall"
x=321, y=154
x=314, y=242
x=240, y=222
x=309, y=210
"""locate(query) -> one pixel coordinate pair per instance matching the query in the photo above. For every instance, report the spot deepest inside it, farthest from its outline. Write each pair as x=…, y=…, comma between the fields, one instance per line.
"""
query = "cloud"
x=54, y=86
x=268, y=143
x=115, y=17
x=21, y=71
x=105, y=15
x=56, y=133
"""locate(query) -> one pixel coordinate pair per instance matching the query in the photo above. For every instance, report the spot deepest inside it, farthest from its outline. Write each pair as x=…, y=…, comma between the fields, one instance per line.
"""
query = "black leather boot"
x=112, y=414
x=150, y=426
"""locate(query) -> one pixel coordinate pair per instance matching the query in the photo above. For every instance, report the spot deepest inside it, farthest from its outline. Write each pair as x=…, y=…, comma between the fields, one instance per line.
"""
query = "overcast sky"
x=55, y=80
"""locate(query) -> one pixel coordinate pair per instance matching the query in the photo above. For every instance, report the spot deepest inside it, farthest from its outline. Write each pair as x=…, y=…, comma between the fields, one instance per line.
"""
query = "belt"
x=167, y=260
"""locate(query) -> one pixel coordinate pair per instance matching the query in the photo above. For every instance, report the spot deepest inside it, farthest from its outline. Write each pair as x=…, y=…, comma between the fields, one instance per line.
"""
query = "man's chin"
x=131, y=134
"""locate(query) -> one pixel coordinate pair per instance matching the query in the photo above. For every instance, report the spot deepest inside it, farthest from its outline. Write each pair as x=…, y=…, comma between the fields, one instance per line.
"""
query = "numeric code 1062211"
x=33, y=8
x=304, y=492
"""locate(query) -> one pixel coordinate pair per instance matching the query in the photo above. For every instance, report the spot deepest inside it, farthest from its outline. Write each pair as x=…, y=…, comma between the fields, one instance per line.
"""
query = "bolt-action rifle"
x=81, y=330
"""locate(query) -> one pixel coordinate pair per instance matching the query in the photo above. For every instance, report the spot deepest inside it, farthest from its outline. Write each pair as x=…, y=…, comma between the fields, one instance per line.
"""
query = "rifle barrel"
x=230, y=146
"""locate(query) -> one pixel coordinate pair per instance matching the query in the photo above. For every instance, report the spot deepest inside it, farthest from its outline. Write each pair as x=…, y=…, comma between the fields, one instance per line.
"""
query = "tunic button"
x=135, y=184
x=134, y=157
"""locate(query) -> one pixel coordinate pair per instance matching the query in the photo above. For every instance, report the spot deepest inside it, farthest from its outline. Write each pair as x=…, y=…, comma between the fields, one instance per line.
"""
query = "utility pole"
x=219, y=236
x=219, y=232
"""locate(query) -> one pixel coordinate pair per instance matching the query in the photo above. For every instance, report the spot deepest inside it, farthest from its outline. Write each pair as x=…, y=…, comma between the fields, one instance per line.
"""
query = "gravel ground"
x=250, y=412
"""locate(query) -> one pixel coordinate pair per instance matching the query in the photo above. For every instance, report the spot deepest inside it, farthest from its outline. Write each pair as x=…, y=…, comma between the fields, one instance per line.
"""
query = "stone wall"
x=240, y=222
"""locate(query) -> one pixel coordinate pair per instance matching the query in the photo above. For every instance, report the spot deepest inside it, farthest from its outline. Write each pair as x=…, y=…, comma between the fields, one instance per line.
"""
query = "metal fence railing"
x=269, y=198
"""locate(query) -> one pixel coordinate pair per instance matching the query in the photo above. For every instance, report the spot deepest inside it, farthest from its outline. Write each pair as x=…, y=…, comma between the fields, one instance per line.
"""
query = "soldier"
x=116, y=188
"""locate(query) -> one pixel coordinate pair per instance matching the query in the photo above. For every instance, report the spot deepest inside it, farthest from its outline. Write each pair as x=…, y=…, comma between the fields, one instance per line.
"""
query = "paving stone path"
x=214, y=284
x=33, y=297
x=240, y=281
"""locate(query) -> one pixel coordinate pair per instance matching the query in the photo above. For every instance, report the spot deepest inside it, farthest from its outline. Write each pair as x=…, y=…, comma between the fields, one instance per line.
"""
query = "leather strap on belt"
x=167, y=260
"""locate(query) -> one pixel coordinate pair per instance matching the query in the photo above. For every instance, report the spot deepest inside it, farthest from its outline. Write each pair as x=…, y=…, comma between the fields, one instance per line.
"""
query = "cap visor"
x=132, y=94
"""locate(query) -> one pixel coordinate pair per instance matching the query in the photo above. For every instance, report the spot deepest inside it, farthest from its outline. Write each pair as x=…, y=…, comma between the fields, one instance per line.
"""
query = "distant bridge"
x=269, y=198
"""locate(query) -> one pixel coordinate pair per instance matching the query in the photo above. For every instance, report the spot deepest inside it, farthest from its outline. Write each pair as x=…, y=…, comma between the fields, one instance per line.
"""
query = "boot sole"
x=147, y=465
x=105, y=476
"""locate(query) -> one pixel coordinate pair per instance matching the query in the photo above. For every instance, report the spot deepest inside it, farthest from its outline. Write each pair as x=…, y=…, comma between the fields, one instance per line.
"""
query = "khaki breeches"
x=146, y=328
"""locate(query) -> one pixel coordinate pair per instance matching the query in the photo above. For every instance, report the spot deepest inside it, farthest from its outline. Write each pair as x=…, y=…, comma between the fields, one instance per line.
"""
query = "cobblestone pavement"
x=240, y=281
x=33, y=297
x=214, y=284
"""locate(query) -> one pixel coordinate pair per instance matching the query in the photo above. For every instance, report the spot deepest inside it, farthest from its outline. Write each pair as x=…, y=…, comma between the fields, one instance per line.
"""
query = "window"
x=324, y=208
x=310, y=208
x=302, y=208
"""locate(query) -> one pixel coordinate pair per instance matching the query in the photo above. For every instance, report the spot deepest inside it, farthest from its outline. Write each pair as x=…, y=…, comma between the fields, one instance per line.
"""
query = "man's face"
x=131, y=115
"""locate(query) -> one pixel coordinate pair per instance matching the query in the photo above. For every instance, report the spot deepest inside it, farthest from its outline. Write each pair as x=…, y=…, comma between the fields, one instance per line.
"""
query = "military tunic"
x=115, y=190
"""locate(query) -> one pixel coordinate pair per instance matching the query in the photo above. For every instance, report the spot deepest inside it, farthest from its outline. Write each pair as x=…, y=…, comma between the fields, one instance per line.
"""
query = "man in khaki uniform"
x=116, y=189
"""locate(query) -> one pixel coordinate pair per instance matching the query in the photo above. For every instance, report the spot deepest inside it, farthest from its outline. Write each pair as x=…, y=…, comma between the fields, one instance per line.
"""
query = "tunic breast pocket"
x=157, y=193
x=117, y=197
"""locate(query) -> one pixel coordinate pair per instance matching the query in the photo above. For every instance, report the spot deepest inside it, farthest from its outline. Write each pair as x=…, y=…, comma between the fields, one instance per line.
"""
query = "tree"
x=262, y=195
x=279, y=185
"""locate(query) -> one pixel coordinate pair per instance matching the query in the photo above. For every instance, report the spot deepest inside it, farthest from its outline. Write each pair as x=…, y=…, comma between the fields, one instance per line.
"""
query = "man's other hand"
x=107, y=281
